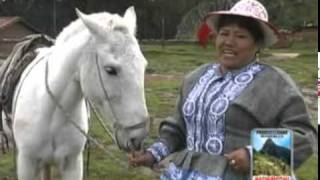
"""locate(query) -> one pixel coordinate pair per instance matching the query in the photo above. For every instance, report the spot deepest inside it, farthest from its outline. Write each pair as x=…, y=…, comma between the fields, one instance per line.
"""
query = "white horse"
x=95, y=58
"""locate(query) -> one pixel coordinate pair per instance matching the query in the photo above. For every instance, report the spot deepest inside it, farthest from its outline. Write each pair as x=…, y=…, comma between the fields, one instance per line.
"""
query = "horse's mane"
x=104, y=19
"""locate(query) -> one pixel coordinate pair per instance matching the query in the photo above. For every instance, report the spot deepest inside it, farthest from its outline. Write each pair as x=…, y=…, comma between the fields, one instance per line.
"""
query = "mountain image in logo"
x=274, y=150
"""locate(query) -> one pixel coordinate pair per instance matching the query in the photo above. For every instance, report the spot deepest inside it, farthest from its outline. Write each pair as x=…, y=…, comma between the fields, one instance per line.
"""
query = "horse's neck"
x=65, y=57
x=63, y=75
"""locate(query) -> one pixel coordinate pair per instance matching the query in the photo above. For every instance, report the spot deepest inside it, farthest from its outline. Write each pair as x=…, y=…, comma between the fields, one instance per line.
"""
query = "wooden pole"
x=162, y=32
x=54, y=18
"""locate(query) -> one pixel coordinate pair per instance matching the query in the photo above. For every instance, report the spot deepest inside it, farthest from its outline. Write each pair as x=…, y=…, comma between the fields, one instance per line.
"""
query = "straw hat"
x=247, y=8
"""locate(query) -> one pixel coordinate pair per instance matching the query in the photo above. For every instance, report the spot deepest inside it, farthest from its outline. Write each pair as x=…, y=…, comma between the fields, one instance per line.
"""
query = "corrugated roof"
x=7, y=21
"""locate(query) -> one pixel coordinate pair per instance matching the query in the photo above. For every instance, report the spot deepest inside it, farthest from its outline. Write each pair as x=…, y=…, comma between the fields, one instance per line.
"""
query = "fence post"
x=162, y=32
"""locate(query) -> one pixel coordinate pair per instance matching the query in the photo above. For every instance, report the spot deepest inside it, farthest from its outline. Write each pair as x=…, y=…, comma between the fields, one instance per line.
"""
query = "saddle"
x=11, y=69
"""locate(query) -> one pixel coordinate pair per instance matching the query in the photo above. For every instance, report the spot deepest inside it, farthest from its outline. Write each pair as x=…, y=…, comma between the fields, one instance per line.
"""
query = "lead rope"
x=89, y=138
x=105, y=127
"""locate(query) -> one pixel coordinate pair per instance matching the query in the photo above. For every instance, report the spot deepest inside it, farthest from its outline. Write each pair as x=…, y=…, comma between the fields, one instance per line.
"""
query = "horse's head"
x=112, y=75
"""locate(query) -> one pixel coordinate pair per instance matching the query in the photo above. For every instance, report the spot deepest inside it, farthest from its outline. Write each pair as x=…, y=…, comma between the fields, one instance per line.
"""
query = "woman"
x=219, y=104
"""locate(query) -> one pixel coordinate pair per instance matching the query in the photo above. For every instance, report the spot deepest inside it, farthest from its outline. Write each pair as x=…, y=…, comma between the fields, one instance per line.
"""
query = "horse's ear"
x=131, y=19
x=92, y=26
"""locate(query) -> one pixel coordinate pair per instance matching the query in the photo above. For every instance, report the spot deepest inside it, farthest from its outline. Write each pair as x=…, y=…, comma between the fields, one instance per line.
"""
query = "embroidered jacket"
x=215, y=114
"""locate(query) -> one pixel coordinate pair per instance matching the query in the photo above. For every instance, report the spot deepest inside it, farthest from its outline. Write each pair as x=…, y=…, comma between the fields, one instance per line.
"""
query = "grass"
x=161, y=96
x=171, y=63
x=175, y=58
x=302, y=69
x=309, y=170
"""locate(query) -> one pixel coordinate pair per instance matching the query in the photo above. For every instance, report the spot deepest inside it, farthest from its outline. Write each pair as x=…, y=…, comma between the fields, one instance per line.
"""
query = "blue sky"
x=257, y=141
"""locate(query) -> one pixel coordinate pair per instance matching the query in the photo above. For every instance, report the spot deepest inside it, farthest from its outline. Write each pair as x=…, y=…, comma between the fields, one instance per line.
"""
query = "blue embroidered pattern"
x=204, y=114
x=175, y=173
x=205, y=106
x=159, y=150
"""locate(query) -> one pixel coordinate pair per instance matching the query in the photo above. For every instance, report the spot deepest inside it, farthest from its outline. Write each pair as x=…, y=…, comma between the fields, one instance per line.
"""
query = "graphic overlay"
x=318, y=86
x=272, y=151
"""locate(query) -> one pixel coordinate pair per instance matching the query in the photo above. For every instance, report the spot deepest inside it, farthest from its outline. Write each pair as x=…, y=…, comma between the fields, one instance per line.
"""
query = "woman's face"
x=236, y=47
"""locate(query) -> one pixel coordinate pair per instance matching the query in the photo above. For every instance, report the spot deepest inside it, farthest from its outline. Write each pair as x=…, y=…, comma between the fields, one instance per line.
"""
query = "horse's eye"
x=111, y=70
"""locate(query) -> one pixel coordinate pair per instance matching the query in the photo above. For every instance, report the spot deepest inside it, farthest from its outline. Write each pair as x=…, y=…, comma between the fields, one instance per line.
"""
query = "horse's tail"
x=6, y=135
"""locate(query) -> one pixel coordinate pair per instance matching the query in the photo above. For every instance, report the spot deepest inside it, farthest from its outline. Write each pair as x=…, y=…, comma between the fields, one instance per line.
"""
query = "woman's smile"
x=229, y=53
x=236, y=47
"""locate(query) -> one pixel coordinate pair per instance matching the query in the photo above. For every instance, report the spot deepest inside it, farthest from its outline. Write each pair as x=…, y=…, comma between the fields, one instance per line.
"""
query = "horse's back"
x=30, y=81
x=26, y=107
x=38, y=128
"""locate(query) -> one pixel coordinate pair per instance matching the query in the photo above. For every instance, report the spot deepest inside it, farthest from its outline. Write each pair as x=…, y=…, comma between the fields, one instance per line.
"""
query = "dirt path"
x=281, y=56
x=159, y=77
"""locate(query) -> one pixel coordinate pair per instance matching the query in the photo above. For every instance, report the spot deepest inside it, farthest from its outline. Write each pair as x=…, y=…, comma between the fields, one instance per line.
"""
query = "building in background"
x=12, y=29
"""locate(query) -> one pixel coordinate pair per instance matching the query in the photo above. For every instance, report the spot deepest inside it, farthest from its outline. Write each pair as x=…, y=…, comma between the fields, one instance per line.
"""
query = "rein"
x=68, y=116
x=106, y=128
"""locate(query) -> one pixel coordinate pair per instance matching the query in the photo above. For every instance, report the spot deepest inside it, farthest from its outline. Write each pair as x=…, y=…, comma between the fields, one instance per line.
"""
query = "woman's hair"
x=247, y=23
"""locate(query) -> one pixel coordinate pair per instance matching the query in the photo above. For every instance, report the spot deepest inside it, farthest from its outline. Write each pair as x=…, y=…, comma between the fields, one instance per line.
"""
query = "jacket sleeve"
x=172, y=134
x=173, y=129
x=293, y=115
x=273, y=101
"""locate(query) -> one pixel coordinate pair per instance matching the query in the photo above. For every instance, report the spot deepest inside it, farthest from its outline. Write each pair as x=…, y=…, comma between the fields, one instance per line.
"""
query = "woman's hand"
x=239, y=160
x=142, y=158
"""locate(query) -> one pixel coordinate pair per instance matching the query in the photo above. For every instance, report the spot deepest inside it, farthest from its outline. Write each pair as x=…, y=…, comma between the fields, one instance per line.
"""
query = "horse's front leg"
x=71, y=167
x=28, y=168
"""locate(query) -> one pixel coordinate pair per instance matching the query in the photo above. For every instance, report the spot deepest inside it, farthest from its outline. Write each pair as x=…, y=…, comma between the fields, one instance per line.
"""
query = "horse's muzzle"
x=136, y=143
x=131, y=140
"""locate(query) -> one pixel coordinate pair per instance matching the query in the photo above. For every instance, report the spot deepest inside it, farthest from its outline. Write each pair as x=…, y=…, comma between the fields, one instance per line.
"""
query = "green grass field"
x=166, y=68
